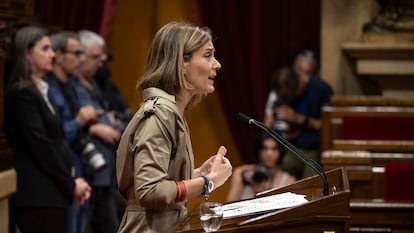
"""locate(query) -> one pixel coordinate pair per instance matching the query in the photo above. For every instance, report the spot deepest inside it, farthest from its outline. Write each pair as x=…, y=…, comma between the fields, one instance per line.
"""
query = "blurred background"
x=254, y=38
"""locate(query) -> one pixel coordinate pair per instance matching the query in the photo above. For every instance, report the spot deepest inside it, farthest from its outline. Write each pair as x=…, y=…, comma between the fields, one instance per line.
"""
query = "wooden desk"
x=377, y=215
x=8, y=187
x=321, y=214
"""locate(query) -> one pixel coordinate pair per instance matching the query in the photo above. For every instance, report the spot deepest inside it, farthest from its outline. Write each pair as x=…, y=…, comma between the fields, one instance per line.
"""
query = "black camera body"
x=124, y=117
x=84, y=146
x=280, y=125
x=260, y=175
x=287, y=129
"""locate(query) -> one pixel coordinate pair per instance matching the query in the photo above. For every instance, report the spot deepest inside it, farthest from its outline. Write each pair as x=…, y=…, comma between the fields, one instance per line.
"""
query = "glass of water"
x=211, y=216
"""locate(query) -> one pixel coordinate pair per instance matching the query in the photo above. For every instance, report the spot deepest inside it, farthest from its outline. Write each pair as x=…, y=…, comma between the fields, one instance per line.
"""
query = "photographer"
x=116, y=104
x=257, y=177
x=248, y=180
x=105, y=134
x=68, y=56
x=284, y=127
x=297, y=102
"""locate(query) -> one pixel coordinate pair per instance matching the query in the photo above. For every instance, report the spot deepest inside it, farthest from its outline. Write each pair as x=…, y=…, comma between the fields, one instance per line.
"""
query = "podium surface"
x=326, y=214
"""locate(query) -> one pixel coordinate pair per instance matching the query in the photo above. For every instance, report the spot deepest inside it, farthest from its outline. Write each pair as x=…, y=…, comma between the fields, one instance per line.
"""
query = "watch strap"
x=205, y=191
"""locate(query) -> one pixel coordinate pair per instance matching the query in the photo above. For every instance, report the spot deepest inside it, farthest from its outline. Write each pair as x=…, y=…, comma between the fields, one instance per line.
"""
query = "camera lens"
x=281, y=125
x=260, y=175
x=93, y=157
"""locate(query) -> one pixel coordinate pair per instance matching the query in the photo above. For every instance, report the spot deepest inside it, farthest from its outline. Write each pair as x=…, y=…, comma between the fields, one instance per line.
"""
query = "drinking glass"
x=211, y=216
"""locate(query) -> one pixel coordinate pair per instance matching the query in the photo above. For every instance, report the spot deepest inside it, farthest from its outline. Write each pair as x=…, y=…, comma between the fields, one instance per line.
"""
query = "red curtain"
x=71, y=14
x=254, y=38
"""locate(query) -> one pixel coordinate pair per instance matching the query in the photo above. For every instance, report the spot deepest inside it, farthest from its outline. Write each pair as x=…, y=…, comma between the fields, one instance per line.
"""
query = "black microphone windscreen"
x=242, y=117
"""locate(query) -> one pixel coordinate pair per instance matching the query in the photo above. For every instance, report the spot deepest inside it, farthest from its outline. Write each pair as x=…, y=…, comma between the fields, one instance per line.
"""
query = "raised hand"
x=221, y=168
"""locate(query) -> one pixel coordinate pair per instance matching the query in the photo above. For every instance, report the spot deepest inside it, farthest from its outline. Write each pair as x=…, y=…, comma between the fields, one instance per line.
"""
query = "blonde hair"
x=172, y=45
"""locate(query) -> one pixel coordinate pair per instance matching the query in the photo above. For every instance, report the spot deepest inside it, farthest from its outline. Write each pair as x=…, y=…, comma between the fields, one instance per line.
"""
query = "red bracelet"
x=181, y=191
x=177, y=192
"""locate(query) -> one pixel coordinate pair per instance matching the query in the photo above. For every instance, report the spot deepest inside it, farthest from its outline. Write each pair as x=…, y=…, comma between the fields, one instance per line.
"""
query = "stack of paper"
x=278, y=201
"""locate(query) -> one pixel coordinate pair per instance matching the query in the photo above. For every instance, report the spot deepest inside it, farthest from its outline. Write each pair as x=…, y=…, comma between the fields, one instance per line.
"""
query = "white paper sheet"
x=247, y=207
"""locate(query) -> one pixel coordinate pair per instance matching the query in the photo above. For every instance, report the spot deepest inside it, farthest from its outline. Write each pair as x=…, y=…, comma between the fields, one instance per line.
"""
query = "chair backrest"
x=378, y=127
x=398, y=181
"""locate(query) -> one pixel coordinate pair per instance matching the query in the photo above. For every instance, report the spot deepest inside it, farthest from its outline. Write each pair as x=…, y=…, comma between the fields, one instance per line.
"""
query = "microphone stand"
x=299, y=154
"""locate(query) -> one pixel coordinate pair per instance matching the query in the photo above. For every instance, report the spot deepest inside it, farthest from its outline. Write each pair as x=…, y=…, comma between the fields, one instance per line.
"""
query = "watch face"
x=210, y=186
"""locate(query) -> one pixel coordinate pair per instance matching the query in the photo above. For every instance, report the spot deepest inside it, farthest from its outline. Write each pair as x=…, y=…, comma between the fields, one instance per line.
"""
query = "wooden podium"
x=325, y=214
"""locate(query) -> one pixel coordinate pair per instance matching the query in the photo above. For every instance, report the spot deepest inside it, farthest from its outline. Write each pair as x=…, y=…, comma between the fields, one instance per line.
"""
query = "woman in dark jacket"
x=45, y=186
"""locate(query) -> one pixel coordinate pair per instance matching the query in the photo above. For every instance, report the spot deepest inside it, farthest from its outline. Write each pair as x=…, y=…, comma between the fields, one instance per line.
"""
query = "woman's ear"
x=185, y=67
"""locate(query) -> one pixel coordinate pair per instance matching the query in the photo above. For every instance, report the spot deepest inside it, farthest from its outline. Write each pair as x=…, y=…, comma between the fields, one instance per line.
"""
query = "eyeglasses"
x=77, y=53
x=95, y=56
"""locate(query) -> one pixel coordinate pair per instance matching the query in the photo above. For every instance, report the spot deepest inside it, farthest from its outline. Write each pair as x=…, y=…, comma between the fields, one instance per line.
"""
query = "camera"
x=260, y=175
x=90, y=155
x=124, y=118
x=285, y=128
x=280, y=125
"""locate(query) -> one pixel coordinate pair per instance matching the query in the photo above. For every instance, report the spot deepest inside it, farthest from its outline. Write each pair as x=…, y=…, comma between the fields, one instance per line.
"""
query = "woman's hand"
x=82, y=191
x=221, y=168
x=106, y=133
x=205, y=168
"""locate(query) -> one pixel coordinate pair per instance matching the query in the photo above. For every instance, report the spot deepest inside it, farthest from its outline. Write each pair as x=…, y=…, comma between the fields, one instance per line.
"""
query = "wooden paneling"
x=12, y=13
x=377, y=215
x=363, y=100
x=365, y=169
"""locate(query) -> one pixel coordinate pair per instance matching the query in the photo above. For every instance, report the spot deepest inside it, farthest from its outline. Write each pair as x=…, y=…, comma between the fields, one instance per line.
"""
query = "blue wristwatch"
x=208, y=187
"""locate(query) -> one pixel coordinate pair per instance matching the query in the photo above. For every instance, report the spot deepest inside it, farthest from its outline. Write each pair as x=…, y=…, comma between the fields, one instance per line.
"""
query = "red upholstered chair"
x=377, y=127
x=399, y=181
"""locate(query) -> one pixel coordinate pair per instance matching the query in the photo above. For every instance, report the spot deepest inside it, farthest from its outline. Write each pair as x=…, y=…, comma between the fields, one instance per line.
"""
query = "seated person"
x=248, y=180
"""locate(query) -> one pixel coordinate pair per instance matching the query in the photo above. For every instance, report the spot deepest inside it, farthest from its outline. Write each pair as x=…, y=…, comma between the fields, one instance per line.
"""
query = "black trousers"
x=105, y=206
x=40, y=220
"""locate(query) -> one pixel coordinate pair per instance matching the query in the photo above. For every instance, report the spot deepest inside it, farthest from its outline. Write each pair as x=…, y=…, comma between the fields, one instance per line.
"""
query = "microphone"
x=299, y=154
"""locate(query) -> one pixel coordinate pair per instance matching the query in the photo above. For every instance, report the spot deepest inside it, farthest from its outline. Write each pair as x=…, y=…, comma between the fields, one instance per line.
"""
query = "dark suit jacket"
x=42, y=159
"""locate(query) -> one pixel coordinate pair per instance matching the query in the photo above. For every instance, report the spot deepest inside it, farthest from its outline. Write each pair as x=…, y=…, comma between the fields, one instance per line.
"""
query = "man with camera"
x=295, y=114
x=116, y=102
x=106, y=133
x=69, y=54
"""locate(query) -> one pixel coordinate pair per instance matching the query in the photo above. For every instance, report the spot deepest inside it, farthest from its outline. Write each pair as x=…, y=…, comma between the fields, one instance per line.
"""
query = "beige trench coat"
x=154, y=152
